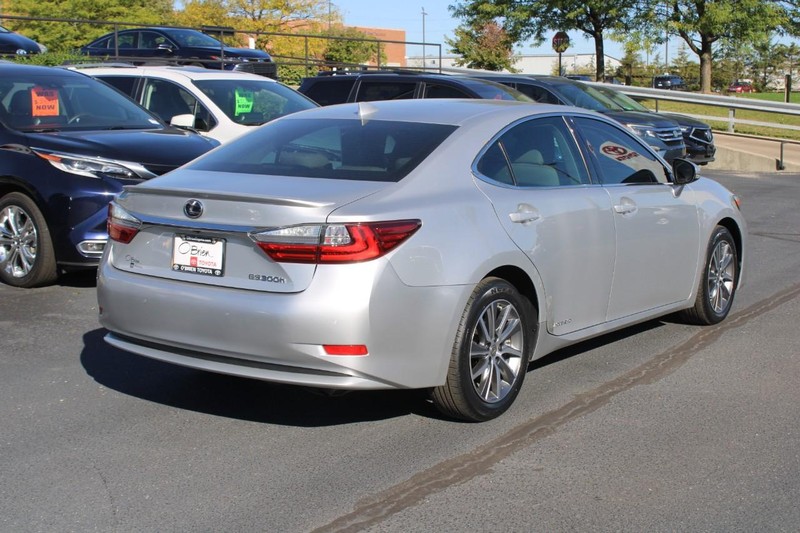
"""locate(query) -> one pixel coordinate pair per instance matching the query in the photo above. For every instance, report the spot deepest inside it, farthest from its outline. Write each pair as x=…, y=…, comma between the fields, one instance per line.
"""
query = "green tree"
x=485, y=46
x=63, y=36
x=702, y=24
x=530, y=19
x=350, y=47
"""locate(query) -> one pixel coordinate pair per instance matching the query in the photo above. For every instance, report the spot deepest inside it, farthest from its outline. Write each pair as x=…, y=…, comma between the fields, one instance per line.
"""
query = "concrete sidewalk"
x=754, y=154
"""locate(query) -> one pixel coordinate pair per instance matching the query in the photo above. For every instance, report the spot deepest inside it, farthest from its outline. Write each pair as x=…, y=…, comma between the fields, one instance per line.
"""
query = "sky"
x=405, y=15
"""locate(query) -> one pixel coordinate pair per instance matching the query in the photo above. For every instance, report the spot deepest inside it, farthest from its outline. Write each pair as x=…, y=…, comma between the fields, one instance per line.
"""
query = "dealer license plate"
x=198, y=255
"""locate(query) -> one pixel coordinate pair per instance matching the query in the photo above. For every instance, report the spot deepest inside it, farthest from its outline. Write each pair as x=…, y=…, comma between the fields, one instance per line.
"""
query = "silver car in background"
x=437, y=244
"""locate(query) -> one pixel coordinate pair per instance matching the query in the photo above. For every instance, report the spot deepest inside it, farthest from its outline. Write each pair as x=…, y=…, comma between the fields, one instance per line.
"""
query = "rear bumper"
x=408, y=331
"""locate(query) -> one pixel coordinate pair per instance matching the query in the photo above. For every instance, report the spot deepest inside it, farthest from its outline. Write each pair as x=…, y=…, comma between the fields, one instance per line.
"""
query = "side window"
x=124, y=40
x=442, y=91
x=494, y=165
x=125, y=84
x=540, y=94
x=620, y=157
x=330, y=92
x=167, y=100
x=149, y=40
x=385, y=90
x=536, y=153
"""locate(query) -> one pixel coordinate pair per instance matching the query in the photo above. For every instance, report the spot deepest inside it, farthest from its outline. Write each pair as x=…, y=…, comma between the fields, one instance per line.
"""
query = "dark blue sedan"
x=68, y=145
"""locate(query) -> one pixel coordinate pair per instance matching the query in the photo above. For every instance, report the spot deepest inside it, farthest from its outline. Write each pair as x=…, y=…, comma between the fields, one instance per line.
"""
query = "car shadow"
x=240, y=398
x=81, y=279
x=271, y=403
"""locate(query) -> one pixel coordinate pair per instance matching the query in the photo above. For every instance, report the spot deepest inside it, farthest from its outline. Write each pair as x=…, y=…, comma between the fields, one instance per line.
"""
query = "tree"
x=63, y=37
x=350, y=46
x=530, y=19
x=484, y=46
x=704, y=23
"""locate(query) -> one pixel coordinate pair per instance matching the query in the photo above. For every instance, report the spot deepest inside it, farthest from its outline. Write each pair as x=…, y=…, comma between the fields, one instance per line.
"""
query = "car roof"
x=167, y=72
x=456, y=111
x=11, y=68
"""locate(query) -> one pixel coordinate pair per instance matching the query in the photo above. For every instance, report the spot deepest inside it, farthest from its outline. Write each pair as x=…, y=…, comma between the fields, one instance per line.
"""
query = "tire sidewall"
x=491, y=290
x=43, y=270
x=720, y=234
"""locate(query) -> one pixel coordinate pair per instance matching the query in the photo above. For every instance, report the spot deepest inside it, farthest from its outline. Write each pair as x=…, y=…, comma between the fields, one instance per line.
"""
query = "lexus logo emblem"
x=193, y=208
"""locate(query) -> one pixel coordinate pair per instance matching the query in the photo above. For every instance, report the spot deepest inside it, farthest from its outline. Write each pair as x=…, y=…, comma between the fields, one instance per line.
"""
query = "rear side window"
x=370, y=91
x=329, y=92
x=377, y=150
x=126, y=84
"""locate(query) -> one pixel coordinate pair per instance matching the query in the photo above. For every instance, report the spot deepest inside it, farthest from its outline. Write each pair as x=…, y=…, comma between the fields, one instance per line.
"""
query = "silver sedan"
x=437, y=244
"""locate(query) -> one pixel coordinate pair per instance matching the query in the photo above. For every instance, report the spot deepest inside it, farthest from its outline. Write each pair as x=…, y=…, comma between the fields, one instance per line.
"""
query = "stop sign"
x=560, y=42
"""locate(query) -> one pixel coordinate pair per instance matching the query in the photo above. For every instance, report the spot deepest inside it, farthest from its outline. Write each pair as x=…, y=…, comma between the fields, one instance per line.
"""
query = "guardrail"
x=731, y=103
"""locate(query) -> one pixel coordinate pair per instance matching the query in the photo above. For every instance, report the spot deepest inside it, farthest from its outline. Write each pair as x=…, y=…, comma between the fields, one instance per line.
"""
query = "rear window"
x=377, y=150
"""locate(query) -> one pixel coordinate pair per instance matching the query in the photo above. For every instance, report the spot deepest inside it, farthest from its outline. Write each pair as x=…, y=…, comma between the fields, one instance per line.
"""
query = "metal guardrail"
x=731, y=103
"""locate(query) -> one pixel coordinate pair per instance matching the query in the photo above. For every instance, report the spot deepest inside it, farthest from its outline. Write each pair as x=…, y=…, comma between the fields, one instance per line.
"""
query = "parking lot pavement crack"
x=460, y=469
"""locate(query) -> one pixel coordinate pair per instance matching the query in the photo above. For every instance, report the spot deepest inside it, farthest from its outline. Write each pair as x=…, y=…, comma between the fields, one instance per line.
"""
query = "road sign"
x=560, y=42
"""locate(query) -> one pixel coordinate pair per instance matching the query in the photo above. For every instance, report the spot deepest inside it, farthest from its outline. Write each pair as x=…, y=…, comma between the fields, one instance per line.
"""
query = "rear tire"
x=27, y=258
x=490, y=355
x=718, y=283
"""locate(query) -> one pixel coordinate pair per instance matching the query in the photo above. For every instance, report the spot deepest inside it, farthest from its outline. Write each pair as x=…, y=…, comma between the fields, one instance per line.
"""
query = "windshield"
x=344, y=149
x=587, y=97
x=253, y=102
x=623, y=100
x=54, y=102
x=193, y=38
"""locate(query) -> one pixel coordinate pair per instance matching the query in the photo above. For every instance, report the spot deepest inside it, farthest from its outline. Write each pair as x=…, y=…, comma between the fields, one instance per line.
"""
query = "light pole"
x=424, y=14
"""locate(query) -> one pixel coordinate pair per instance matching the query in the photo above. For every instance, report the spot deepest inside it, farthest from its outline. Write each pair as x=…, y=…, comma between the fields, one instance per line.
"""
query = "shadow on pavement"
x=240, y=398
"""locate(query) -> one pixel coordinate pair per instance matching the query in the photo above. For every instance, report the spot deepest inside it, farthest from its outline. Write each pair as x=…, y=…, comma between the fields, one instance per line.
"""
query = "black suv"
x=180, y=46
x=328, y=89
x=68, y=144
x=669, y=81
x=663, y=134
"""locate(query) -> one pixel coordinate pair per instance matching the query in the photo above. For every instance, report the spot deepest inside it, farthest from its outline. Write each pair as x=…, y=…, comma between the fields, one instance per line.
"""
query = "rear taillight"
x=334, y=243
x=122, y=226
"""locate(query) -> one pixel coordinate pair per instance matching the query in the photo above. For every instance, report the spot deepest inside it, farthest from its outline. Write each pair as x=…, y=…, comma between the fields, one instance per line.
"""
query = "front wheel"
x=490, y=355
x=718, y=282
x=27, y=258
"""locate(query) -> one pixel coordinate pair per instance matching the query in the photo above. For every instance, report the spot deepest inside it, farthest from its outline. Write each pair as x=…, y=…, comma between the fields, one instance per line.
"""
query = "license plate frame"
x=198, y=254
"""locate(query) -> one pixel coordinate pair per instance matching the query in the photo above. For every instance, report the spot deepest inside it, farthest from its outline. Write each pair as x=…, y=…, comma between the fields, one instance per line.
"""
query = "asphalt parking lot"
x=661, y=427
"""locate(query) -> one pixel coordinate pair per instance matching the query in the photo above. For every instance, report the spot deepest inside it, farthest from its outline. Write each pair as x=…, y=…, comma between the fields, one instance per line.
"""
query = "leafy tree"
x=702, y=24
x=485, y=46
x=350, y=47
x=62, y=36
x=530, y=19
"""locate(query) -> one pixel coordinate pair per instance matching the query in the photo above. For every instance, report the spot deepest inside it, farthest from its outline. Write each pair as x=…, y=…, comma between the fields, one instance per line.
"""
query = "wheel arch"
x=738, y=238
x=521, y=281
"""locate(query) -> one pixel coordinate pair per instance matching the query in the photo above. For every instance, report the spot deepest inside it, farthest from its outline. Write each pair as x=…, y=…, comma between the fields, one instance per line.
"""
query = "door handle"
x=625, y=207
x=524, y=214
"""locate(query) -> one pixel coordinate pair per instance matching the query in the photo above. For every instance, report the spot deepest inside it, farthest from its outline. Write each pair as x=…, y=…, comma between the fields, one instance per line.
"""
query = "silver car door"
x=537, y=181
x=657, y=224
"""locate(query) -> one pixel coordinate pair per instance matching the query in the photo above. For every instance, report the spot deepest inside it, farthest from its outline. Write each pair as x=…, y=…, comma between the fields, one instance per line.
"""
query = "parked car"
x=425, y=244
x=68, y=144
x=219, y=104
x=579, y=77
x=181, y=46
x=662, y=134
x=741, y=87
x=12, y=43
x=669, y=81
x=697, y=135
x=327, y=89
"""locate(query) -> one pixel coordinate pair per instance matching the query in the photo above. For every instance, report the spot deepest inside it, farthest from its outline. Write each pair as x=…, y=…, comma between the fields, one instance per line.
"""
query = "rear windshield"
x=376, y=150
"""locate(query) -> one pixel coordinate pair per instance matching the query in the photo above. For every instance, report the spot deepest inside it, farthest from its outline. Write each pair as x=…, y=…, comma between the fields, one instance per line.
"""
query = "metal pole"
x=424, y=14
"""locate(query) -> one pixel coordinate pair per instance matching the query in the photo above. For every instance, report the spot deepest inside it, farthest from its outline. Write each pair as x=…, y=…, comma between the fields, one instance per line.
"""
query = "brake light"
x=122, y=226
x=334, y=243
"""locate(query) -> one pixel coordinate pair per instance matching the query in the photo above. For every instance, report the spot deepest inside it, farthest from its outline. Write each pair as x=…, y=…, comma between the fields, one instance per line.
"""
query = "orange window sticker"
x=44, y=102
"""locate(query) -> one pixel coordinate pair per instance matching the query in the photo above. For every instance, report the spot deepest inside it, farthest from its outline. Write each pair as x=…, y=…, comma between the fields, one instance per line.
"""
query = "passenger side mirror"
x=183, y=121
x=683, y=171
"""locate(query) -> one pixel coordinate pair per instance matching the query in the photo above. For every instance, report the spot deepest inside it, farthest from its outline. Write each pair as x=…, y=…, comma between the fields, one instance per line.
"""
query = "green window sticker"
x=244, y=102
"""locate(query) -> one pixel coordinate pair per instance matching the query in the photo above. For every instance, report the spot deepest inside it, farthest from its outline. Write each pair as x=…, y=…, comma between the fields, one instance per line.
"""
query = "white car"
x=219, y=104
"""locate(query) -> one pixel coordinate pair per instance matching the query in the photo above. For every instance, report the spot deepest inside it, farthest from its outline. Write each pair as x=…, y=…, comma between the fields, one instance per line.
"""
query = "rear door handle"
x=524, y=214
x=625, y=207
